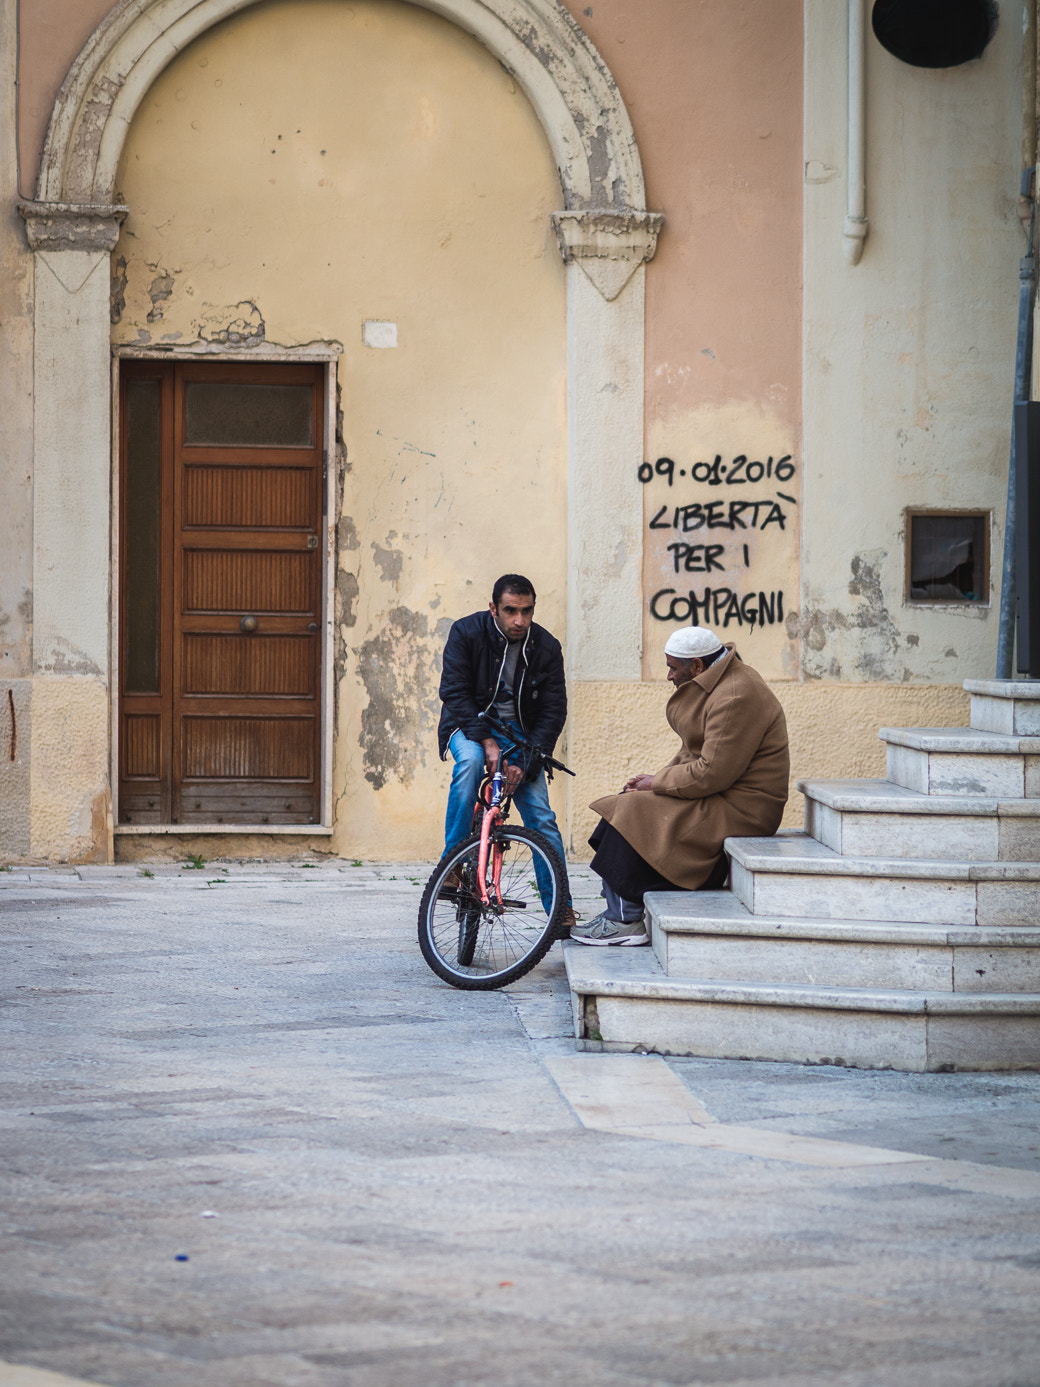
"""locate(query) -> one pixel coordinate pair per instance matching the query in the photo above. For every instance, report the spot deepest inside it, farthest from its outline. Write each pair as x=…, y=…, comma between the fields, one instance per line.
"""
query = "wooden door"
x=220, y=652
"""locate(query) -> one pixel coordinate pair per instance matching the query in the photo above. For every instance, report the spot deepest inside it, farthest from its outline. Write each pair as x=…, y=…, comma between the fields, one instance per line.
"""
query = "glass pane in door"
x=228, y=414
x=141, y=552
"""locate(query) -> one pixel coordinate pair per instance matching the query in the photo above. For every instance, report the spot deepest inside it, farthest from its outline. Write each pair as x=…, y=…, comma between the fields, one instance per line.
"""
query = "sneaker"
x=603, y=930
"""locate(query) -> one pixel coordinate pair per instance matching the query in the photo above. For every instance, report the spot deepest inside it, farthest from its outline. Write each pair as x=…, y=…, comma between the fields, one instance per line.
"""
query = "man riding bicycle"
x=500, y=661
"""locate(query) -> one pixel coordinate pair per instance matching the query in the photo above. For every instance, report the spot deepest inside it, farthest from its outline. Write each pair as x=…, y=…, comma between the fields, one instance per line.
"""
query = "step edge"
x=857, y=932
x=917, y=802
x=880, y=868
x=1025, y=690
x=802, y=996
x=960, y=741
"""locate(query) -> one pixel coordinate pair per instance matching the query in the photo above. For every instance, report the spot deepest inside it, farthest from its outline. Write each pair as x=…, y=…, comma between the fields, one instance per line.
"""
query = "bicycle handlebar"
x=507, y=734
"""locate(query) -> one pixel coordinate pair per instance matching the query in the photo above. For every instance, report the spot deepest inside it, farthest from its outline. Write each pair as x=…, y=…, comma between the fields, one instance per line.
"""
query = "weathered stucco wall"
x=307, y=167
x=70, y=722
x=909, y=356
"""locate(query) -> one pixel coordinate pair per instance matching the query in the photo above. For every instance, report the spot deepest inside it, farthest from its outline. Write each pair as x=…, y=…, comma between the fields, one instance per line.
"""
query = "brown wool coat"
x=729, y=778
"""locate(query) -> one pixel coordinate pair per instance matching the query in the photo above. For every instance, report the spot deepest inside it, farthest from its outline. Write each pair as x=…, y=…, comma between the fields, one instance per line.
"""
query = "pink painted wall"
x=50, y=36
x=714, y=92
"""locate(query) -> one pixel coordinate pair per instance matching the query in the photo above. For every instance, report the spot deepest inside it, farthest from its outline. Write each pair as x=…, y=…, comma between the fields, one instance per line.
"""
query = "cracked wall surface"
x=909, y=355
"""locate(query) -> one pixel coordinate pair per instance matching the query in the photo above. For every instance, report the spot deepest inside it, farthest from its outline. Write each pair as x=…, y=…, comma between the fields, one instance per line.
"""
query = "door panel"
x=252, y=496
x=231, y=733
x=220, y=580
x=266, y=666
x=239, y=748
x=143, y=747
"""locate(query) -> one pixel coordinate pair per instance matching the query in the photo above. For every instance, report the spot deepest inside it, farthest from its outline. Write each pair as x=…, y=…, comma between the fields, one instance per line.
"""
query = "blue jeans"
x=531, y=798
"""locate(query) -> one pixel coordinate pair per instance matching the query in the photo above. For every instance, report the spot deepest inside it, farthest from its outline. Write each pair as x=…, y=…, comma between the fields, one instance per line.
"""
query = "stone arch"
x=566, y=81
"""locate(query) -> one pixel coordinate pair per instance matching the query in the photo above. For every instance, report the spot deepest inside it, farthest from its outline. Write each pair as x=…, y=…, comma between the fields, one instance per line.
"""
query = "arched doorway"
x=604, y=235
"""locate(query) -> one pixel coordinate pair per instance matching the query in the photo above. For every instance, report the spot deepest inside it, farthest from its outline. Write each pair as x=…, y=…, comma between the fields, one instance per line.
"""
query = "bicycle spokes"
x=490, y=908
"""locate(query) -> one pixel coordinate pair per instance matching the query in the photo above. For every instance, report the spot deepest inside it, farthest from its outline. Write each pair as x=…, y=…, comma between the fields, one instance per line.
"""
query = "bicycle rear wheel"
x=480, y=947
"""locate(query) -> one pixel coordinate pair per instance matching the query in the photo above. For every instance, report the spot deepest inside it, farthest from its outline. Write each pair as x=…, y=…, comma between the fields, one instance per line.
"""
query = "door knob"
x=248, y=624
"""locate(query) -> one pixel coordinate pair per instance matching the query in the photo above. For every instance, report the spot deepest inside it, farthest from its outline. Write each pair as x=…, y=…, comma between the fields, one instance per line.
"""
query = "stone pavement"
x=248, y=1140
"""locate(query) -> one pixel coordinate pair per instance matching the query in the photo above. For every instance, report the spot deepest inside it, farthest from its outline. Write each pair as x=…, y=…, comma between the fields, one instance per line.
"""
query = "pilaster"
x=72, y=426
x=71, y=526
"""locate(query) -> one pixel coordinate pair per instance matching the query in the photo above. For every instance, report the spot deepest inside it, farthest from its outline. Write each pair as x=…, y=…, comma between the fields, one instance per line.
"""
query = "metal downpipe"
x=1023, y=362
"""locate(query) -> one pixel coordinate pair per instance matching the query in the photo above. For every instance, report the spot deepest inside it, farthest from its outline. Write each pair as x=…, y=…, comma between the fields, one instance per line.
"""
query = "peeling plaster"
x=346, y=534
x=237, y=325
x=160, y=291
x=881, y=644
x=347, y=590
x=880, y=641
x=388, y=561
x=118, y=303
x=400, y=669
x=82, y=156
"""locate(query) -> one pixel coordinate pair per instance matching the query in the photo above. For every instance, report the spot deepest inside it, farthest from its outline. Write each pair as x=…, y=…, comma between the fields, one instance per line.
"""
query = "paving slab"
x=248, y=1140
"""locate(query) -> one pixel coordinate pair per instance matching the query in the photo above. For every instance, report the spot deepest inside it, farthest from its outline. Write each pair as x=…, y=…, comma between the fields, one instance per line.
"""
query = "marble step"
x=962, y=761
x=710, y=934
x=1011, y=706
x=794, y=876
x=876, y=818
x=623, y=1000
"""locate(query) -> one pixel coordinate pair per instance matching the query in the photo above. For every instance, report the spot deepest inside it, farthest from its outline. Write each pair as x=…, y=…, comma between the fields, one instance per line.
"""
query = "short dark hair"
x=512, y=582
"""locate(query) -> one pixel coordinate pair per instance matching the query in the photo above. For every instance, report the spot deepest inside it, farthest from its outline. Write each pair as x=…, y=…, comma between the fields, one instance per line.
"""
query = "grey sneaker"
x=603, y=931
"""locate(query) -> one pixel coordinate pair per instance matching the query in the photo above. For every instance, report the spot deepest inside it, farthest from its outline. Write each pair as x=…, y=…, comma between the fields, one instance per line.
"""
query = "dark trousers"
x=630, y=875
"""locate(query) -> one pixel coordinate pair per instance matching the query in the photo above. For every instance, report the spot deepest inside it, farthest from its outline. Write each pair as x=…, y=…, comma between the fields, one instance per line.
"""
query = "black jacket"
x=473, y=660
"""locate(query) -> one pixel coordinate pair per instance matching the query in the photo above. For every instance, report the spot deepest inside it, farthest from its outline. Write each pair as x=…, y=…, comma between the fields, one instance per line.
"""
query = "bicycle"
x=493, y=905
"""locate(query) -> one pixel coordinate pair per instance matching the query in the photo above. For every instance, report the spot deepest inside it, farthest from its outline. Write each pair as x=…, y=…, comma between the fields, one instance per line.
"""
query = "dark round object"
x=934, y=33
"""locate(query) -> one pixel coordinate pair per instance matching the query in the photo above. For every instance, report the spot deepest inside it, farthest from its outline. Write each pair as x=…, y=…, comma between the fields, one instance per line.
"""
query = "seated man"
x=665, y=832
x=501, y=661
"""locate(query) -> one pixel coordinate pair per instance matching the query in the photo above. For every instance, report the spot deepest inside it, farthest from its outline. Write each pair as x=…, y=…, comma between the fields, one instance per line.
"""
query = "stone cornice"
x=609, y=246
x=58, y=226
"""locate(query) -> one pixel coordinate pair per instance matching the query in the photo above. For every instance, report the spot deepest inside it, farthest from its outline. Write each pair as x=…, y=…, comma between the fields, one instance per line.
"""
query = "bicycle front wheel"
x=480, y=946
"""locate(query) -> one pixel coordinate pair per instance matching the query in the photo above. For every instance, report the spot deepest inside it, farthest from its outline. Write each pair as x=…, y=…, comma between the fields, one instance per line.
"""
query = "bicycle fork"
x=492, y=815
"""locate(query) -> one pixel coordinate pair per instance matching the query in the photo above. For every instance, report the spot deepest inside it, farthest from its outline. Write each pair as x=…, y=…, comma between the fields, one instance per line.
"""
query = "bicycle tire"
x=480, y=947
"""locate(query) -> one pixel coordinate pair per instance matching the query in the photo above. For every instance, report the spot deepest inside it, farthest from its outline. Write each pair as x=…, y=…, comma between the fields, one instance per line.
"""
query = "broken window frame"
x=983, y=519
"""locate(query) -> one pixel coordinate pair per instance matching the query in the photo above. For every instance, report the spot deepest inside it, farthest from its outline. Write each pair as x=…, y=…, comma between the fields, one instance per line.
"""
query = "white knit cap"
x=692, y=643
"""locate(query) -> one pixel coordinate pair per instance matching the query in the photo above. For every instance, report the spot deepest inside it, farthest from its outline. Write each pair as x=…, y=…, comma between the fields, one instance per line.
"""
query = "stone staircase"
x=900, y=930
